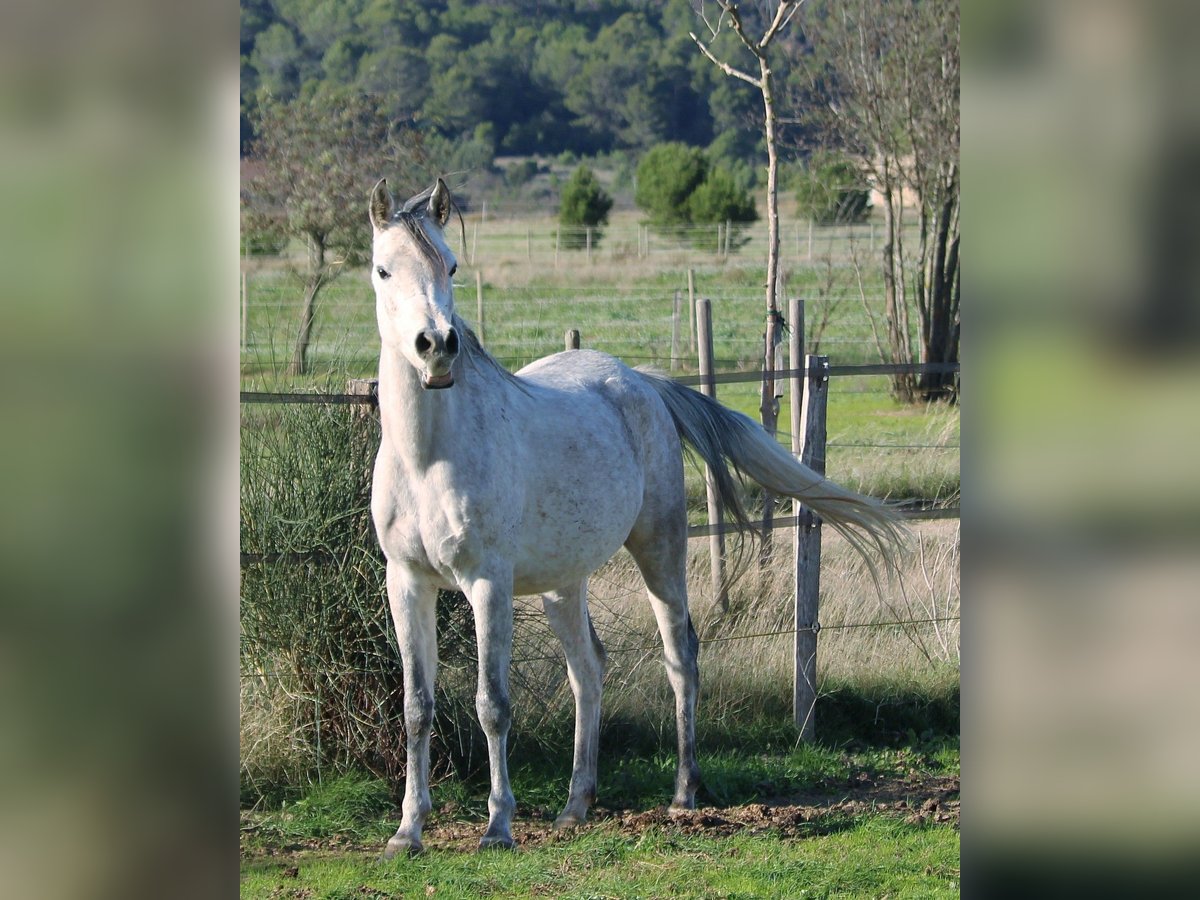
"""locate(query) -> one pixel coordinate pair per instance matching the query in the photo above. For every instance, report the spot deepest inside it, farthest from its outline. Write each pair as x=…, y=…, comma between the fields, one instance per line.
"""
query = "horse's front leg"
x=414, y=612
x=492, y=602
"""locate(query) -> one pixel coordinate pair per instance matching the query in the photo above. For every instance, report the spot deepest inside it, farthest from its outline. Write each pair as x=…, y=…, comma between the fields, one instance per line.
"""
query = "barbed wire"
x=815, y=628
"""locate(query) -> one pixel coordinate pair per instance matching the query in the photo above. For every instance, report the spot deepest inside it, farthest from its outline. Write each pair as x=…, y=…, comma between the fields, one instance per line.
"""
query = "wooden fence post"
x=589, y=243
x=716, y=516
x=245, y=308
x=365, y=387
x=675, y=332
x=572, y=339
x=480, y=330
x=807, y=545
x=557, y=238
x=691, y=310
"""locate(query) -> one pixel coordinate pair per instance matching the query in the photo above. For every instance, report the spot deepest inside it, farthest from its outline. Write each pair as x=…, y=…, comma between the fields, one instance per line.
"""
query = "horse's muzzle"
x=438, y=352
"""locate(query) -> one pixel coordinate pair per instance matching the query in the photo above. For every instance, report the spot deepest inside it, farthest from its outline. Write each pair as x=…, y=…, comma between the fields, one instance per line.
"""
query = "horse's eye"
x=453, y=269
x=383, y=273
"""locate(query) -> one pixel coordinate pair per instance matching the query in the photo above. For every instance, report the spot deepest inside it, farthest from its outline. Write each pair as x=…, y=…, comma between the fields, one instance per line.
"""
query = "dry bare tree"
x=719, y=17
x=879, y=80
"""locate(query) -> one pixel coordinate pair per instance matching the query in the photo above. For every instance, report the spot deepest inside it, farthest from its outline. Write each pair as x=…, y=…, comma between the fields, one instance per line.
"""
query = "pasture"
x=871, y=809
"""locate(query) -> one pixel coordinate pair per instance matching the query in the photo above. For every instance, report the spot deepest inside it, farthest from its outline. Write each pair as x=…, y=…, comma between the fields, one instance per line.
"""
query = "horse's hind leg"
x=660, y=550
x=567, y=612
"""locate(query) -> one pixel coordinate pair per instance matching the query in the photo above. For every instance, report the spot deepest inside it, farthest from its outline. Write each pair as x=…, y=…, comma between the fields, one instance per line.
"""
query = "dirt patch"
x=832, y=806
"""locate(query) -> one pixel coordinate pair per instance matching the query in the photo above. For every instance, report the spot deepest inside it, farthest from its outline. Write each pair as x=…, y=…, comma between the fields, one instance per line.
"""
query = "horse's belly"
x=560, y=542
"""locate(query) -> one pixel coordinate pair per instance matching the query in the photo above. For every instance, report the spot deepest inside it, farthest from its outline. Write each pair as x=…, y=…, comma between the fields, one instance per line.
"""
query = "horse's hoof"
x=568, y=822
x=403, y=846
x=496, y=842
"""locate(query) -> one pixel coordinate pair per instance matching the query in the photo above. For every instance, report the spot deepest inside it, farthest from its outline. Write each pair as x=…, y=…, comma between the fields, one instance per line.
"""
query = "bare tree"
x=777, y=16
x=880, y=83
x=314, y=162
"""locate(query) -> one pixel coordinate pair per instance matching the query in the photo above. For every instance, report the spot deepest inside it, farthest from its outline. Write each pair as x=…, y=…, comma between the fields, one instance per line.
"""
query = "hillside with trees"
x=508, y=77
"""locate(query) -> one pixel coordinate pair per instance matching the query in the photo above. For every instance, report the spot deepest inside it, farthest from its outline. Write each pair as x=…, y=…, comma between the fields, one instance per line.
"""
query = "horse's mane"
x=475, y=354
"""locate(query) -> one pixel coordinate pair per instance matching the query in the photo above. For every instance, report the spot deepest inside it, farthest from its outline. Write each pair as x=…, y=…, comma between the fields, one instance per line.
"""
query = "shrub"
x=584, y=205
x=314, y=618
x=831, y=192
x=520, y=173
x=719, y=199
x=678, y=188
x=667, y=177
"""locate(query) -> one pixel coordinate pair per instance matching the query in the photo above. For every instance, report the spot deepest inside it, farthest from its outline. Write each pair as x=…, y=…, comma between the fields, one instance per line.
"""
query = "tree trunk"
x=312, y=286
x=769, y=405
x=940, y=341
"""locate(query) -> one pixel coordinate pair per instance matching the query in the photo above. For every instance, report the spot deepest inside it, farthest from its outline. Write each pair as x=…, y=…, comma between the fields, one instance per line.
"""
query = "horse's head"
x=411, y=268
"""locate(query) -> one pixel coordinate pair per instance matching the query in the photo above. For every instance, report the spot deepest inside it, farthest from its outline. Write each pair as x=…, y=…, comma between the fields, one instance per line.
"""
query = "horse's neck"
x=422, y=426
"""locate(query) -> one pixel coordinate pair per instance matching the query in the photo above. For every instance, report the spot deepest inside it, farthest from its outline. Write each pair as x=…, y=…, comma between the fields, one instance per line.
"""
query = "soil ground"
x=915, y=798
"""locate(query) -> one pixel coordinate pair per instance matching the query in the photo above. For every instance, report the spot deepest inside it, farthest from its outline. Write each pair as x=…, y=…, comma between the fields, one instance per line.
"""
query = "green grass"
x=866, y=858
x=327, y=842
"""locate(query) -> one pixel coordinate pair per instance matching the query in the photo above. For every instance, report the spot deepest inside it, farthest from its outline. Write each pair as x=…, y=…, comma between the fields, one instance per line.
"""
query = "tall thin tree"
x=779, y=16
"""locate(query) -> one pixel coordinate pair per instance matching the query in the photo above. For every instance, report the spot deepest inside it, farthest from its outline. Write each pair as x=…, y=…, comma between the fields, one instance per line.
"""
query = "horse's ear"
x=439, y=203
x=382, y=205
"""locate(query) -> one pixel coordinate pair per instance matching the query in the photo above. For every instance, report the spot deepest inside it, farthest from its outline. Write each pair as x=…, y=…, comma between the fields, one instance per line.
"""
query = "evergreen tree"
x=584, y=205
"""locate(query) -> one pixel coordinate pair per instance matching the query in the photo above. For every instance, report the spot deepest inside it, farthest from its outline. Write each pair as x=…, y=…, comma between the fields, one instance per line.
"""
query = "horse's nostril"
x=424, y=345
x=452, y=342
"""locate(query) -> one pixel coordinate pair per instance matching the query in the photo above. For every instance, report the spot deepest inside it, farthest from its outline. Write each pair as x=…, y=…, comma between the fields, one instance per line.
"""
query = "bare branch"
x=783, y=15
x=735, y=19
x=724, y=66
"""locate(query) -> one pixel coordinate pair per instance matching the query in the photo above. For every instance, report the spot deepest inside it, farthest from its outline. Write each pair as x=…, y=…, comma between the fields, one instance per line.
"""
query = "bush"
x=314, y=619
x=831, y=192
x=678, y=188
x=584, y=205
x=719, y=199
x=520, y=173
x=667, y=177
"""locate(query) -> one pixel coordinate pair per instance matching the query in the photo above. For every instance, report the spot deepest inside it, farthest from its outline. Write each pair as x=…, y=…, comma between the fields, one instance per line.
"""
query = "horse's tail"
x=725, y=440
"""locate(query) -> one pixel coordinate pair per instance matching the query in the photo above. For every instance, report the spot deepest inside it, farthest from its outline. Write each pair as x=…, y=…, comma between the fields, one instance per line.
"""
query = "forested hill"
x=520, y=76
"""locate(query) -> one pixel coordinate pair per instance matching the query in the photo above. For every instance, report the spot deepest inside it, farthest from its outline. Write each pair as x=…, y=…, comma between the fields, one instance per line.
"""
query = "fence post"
x=810, y=231
x=474, y=241
x=691, y=310
x=716, y=517
x=557, y=236
x=245, y=308
x=365, y=387
x=796, y=361
x=572, y=339
x=529, y=243
x=807, y=545
x=479, y=325
x=589, y=243
x=675, y=331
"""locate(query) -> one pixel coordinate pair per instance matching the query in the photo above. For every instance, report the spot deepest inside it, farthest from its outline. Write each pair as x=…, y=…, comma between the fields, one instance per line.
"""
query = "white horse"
x=497, y=484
